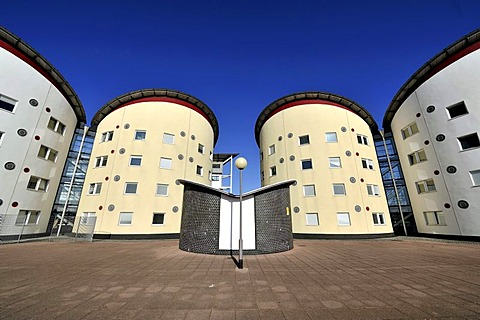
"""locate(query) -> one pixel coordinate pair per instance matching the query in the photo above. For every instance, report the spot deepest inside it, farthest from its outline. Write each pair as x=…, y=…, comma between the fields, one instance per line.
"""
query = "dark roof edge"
x=45, y=68
x=313, y=95
x=440, y=61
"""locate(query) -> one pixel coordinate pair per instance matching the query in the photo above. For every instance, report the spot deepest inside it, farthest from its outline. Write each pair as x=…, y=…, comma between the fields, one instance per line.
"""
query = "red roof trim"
x=302, y=102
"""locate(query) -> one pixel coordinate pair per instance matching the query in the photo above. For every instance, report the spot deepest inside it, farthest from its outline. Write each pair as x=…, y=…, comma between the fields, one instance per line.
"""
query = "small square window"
x=409, y=130
x=168, y=138
x=469, y=141
x=55, y=125
x=303, y=140
x=7, y=104
x=273, y=171
x=162, y=189
x=95, y=188
x=261, y=156
x=362, y=139
x=367, y=164
x=331, y=136
x=378, y=218
x=125, y=218
x=457, y=110
x=434, y=218
x=131, y=187
x=201, y=148
x=199, y=170
x=135, y=161
x=312, y=219
x=47, y=153
x=339, y=189
x=88, y=218
x=271, y=150
x=373, y=190
x=140, y=134
x=27, y=217
x=417, y=157
x=343, y=218
x=107, y=136
x=425, y=186
x=158, y=219
x=307, y=164
x=475, y=175
x=37, y=184
x=309, y=190
x=334, y=162
x=165, y=163
x=101, y=161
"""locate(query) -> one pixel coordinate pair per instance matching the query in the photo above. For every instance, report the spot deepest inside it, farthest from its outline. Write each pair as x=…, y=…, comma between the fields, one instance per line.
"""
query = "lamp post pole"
x=240, y=163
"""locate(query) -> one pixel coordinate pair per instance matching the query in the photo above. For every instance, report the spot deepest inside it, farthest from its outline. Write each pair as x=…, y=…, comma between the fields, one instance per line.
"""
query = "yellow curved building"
x=324, y=142
x=145, y=141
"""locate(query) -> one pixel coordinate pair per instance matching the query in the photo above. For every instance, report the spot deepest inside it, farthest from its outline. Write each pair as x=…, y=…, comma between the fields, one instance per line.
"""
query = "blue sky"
x=239, y=56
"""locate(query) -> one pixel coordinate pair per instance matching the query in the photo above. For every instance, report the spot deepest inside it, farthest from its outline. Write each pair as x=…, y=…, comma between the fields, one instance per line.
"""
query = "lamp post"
x=240, y=163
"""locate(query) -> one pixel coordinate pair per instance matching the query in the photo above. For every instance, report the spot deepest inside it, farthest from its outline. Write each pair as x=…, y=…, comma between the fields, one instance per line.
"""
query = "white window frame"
x=342, y=185
x=125, y=214
x=307, y=137
x=367, y=164
x=340, y=221
x=273, y=171
x=48, y=153
x=378, y=218
x=27, y=220
x=101, y=161
x=136, y=138
x=331, y=134
x=94, y=188
x=438, y=218
x=58, y=126
x=362, y=139
x=410, y=130
x=314, y=222
x=331, y=162
x=166, y=188
x=373, y=190
x=309, y=190
x=425, y=186
x=473, y=174
x=38, y=184
x=159, y=213
x=416, y=157
x=302, y=161
x=167, y=163
x=135, y=157
x=130, y=183
x=9, y=101
x=87, y=218
x=168, y=138
x=271, y=149
x=2, y=135
x=106, y=136
x=201, y=148
x=199, y=172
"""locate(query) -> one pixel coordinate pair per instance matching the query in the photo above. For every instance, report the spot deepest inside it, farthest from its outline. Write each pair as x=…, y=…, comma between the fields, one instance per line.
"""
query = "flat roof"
x=165, y=95
x=454, y=52
x=23, y=51
x=310, y=97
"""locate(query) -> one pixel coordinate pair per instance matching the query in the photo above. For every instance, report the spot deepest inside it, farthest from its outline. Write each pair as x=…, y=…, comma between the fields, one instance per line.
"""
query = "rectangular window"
x=125, y=218
x=457, y=110
x=131, y=187
x=88, y=218
x=95, y=188
x=378, y=218
x=261, y=156
x=162, y=189
x=199, y=170
x=362, y=139
x=475, y=175
x=135, y=161
x=158, y=219
x=307, y=164
x=168, y=138
x=55, y=125
x=334, y=162
x=367, y=163
x=417, y=157
x=165, y=163
x=7, y=104
x=343, y=218
x=434, y=218
x=47, y=153
x=373, y=190
x=271, y=150
x=312, y=219
x=273, y=171
x=331, y=137
x=469, y=141
x=37, y=184
x=27, y=217
x=140, y=134
x=201, y=148
x=339, y=189
x=303, y=140
x=409, y=130
x=2, y=134
x=309, y=190
x=425, y=186
x=107, y=136
x=215, y=178
x=101, y=161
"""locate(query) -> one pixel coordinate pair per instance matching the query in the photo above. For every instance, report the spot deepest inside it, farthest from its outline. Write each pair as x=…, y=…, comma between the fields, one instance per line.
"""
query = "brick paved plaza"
x=383, y=279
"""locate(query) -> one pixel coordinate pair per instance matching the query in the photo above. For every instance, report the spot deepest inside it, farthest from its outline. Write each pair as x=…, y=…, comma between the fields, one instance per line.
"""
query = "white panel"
x=229, y=232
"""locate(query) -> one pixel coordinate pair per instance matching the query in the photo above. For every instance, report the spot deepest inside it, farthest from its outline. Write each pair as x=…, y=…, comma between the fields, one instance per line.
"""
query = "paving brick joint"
x=399, y=278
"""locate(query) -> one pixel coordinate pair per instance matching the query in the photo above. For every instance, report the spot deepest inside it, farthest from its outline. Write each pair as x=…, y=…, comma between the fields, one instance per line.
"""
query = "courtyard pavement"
x=399, y=278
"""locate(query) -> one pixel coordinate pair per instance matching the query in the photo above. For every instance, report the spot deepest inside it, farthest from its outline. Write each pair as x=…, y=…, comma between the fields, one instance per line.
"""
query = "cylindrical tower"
x=145, y=141
x=39, y=112
x=434, y=119
x=324, y=142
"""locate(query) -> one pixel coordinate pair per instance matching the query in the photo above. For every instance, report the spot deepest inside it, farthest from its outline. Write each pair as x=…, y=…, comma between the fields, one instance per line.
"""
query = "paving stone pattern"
x=318, y=279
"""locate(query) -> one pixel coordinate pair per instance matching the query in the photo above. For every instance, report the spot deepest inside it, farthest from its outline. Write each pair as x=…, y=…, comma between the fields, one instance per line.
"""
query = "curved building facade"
x=145, y=141
x=324, y=142
x=39, y=113
x=434, y=119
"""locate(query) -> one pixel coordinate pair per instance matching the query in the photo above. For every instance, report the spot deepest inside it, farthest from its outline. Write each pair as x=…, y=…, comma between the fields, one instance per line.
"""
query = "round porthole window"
x=180, y=157
x=116, y=178
x=193, y=137
x=175, y=209
x=451, y=169
x=280, y=138
x=190, y=159
x=296, y=209
x=440, y=137
x=126, y=126
x=22, y=132
x=9, y=165
x=183, y=134
x=344, y=129
x=353, y=180
x=290, y=135
x=292, y=158
x=33, y=102
x=111, y=207
x=430, y=109
x=281, y=160
x=358, y=208
x=463, y=204
x=348, y=153
x=121, y=151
